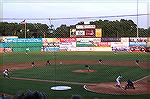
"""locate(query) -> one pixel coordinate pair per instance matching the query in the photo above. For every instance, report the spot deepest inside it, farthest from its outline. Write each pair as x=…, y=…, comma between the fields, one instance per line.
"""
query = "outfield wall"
x=73, y=44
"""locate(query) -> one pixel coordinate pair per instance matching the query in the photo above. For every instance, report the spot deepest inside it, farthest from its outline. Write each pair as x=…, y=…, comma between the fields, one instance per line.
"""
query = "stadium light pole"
x=137, y=35
x=148, y=16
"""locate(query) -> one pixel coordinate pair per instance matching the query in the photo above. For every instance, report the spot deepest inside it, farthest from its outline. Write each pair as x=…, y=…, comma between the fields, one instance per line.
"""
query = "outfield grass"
x=22, y=57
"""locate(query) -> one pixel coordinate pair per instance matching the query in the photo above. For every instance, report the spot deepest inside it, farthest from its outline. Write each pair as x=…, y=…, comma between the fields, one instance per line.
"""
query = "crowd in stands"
x=33, y=95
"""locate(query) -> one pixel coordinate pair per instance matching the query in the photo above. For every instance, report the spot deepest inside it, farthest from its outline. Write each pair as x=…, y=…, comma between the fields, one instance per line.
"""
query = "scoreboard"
x=85, y=31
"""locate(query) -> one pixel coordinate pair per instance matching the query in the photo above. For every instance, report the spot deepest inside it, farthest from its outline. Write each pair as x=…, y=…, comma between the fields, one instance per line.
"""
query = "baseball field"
x=68, y=69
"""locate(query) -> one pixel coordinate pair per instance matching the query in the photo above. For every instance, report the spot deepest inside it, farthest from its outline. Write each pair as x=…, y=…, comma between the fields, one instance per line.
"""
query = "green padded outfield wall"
x=21, y=44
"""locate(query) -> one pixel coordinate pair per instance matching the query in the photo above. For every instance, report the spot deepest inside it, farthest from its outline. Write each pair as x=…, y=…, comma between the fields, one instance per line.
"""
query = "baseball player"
x=48, y=62
x=88, y=67
x=27, y=50
x=60, y=63
x=137, y=62
x=33, y=64
x=118, y=83
x=6, y=73
x=129, y=85
x=100, y=61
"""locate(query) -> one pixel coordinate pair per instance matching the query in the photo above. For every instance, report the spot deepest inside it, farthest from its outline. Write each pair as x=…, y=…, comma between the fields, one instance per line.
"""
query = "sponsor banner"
x=125, y=48
x=98, y=32
x=141, y=39
x=148, y=39
x=90, y=32
x=84, y=44
x=137, y=44
x=119, y=44
x=148, y=44
x=50, y=49
x=102, y=49
x=80, y=32
x=51, y=42
x=137, y=49
x=24, y=40
x=4, y=38
x=125, y=39
x=5, y=50
x=104, y=44
x=110, y=39
x=72, y=32
x=84, y=48
x=67, y=45
x=67, y=39
x=85, y=26
x=88, y=42
x=47, y=40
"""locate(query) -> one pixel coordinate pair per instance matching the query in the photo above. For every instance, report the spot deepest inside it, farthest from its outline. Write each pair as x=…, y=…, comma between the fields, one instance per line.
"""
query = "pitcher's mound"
x=84, y=71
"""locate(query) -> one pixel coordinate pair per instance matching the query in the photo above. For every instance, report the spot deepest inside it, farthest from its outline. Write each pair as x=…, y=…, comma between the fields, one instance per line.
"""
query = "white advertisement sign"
x=85, y=26
x=80, y=32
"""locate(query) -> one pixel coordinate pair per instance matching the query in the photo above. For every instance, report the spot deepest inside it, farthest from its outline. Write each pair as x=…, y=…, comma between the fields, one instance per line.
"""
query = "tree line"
x=121, y=28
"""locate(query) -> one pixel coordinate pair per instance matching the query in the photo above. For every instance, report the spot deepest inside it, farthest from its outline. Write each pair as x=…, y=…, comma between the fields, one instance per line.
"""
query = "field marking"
x=53, y=81
x=66, y=82
x=141, y=79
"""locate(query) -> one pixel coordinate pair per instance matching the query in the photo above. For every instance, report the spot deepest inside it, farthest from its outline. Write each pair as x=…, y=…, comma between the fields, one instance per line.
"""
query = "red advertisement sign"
x=104, y=44
x=89, y=32
x=67, y=39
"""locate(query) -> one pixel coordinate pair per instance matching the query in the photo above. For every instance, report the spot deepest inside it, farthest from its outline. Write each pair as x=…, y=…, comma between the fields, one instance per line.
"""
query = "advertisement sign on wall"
x=148, y=39
x=80, y=32
x=135, y=39
x=90, y=32
x=85, y=26
x=119, y=44
x=98, y=32
x=102, y=49
x=67, y=39
x=137, y=44
x=125, y=39
x=24, y=40
x=104, y=44
x=88, y=42
x=84, y=48
x=110, y=39
x=148, y=44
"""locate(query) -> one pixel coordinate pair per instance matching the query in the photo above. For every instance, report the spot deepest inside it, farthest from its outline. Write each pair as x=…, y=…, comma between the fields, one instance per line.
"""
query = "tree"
x=62, y=31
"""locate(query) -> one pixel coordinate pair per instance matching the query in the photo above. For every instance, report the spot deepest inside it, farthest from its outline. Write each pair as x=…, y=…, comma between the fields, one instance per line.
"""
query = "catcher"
x=129, y=85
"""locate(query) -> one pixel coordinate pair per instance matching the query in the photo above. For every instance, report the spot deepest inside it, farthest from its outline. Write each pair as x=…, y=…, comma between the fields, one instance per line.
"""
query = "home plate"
x=60, y=88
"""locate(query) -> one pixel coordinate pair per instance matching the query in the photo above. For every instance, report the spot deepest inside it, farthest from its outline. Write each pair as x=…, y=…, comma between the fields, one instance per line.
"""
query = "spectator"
x=3, y=96
x=76, y=97
x=31, y=95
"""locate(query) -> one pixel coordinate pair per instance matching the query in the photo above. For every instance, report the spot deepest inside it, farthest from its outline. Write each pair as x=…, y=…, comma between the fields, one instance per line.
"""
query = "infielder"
x=137, y=62
x=48, y=62
x=118, y=83
x=6, y=73
x=100, y=61
x=33, y=64
x=88, y=67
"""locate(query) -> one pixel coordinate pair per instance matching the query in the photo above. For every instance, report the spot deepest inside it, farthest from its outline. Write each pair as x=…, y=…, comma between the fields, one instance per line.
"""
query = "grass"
x=22, y=57
x=64, y=73
x=16, y=86
x=104, y=73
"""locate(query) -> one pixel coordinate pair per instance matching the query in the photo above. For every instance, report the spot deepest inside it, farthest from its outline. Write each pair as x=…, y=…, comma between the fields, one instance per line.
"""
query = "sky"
x=36, y=9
